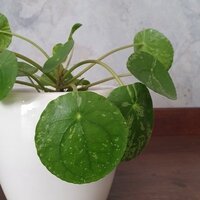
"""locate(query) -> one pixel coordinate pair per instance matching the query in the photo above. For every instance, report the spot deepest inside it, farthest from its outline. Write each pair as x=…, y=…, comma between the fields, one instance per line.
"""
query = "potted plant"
x=63, y=140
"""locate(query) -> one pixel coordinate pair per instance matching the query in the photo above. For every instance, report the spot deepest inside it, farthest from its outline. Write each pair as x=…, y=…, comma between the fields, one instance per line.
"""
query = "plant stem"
x=35, y=65
x=99, y=59
x=94, y=62
x=74, y=88
x=70, y=58
x=33, y=84
x=105, y=80
x=27, y=40
x=27, y=84
x=38, y=82
x=115, y=50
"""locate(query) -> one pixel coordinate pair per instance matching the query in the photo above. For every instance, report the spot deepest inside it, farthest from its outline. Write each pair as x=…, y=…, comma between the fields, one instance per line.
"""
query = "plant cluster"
x=82, y=136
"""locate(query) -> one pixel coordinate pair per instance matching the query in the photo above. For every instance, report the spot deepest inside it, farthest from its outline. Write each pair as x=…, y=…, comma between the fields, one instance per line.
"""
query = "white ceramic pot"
x=22, y=176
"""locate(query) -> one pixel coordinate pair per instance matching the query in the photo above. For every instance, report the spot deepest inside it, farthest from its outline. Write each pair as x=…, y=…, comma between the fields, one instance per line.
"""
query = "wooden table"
x=169, y=168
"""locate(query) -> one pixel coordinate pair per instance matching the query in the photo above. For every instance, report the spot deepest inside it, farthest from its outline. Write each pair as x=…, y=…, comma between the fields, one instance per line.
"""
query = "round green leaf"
x=24, y=69
x=152, y=73
x=156, y=44
x=5, y=40
x=134, y=102
x=8, y=72
x=81, y=137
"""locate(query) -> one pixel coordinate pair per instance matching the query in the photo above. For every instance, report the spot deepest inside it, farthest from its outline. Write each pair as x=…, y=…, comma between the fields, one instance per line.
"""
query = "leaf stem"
x=74, y=88
x=27, y=40
x=105, y=80
x=36, y=80
x=35, y=65
x=101, y=58
x=114, y=51
x=27, y=84
x=70, y=58
x=116, y=77
x=33, y=84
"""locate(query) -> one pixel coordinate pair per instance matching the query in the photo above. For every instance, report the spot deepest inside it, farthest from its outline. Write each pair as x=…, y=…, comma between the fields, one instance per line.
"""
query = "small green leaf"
x=155, y=43
x=5, y=40
x=82, y=82
x=81, y=137
x=60, y=52
x=25, y=68
x=152, y=73
x=60, y=55
x=75, y=27
x=57, y=47
x=8, y=72
x=134, y=102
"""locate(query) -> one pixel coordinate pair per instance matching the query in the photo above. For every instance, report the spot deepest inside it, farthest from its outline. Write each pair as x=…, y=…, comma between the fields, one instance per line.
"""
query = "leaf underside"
x=134, y=102
x=155, y=43
x=81, y=137
x=152, y=73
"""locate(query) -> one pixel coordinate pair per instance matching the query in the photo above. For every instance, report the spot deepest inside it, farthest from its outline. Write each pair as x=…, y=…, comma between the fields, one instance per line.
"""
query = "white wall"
x=108, y=24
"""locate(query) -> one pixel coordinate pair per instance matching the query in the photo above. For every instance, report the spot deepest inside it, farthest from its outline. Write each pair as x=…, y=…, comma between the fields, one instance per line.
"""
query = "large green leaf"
x=8, y=72
x=156, y=44
x=5, y=40
x=134, y=102
x=60, y=52
x=25, y=68
x=152, y=73
x=81, y=137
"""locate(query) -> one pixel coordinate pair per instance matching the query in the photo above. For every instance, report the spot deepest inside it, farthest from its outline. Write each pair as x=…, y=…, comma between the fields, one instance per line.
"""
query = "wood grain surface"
x=169, y=168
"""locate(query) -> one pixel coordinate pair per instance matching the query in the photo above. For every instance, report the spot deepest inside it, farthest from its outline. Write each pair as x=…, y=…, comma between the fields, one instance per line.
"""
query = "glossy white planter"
x=22, y=176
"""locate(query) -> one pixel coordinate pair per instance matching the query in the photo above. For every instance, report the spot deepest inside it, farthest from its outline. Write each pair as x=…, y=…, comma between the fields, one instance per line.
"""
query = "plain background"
x=108, y=24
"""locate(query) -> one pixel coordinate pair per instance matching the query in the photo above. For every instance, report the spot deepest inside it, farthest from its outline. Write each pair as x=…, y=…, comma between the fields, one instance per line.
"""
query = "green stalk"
x=74, y=88
x=94, y=62
x=70, y=58
x=27, y=40
x=36, y=80
x=35, y=65
x=104, y=80
x=101, y=58
x=33, y=84
x=114, y=51
x=27, y=84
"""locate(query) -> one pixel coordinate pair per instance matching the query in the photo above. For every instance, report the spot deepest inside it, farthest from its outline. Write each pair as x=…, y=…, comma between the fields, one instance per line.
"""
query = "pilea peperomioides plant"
x=82, y=136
